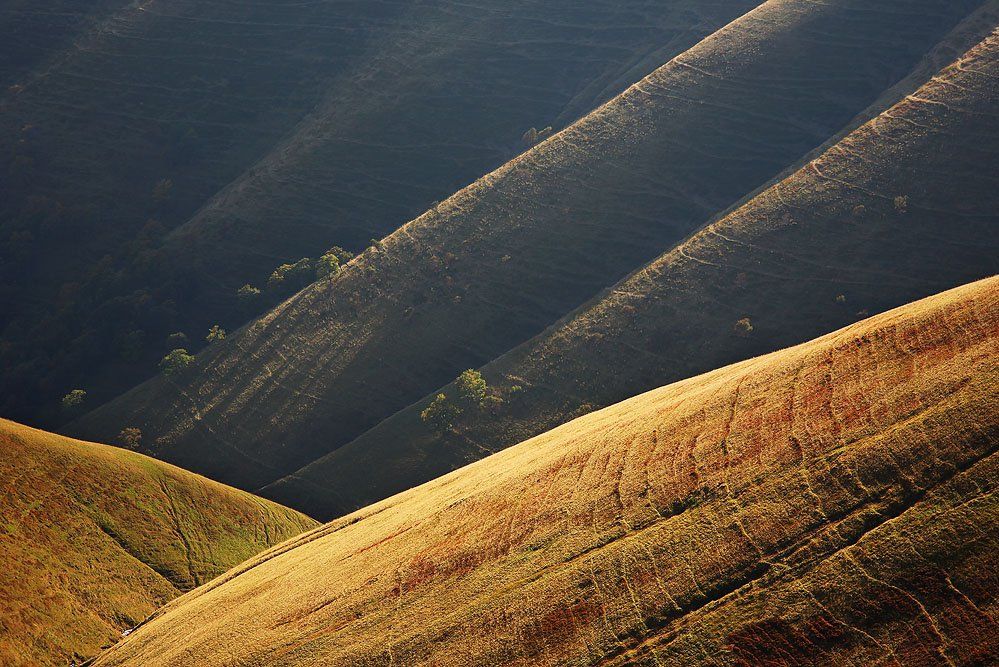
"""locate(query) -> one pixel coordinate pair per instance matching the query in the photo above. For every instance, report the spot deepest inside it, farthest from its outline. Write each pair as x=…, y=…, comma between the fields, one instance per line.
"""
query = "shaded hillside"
x=905, y=206
x=34, y=30
x=501, y=260
x=94, y=538
x=828, y=504
x=283, y=128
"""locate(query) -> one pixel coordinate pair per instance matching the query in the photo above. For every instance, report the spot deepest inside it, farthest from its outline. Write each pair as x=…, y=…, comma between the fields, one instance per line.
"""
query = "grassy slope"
x=94, y=538
x=284, y=127
x=499, y=261
x=34, y=30
x=828, y=503
x=799, y=259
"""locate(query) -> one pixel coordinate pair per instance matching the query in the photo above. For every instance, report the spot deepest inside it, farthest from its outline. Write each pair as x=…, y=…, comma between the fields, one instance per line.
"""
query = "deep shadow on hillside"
x=828, y=504
x=903, y=207
x=268, y=131
x=93, y=539
x=501, y=260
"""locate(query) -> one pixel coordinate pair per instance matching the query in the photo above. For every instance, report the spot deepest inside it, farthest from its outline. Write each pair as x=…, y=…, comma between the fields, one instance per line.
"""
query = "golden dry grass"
x=94, y=538
x=833, y=503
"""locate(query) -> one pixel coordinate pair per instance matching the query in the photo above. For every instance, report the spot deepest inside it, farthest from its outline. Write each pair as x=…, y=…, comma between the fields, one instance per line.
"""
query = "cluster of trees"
x=289, y=278
x=133, y=344
x=470, y=396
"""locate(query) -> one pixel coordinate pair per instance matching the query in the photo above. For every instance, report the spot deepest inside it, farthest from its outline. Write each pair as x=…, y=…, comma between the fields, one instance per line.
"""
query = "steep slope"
x=806, y=256
x=34, y=30
x=828, y=504
x=282, y=128
x=94, y=538
x=501, y=260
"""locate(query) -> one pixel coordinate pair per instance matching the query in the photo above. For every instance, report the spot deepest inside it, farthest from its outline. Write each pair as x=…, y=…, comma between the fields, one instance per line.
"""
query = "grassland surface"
x=501, y=260
x=831, y=503
x=94, y=538
x=905, y=206
x=174, y=150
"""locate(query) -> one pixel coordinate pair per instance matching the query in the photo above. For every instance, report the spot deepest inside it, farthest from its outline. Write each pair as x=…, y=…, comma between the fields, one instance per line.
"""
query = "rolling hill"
x=501, y=260
x=905, y=206
x=265, y=132
x=94, y=538
x=831, y=503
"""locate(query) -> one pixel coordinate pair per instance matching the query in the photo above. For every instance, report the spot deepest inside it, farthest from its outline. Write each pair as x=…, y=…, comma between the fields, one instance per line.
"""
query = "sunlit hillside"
x=829, y=503
x=94, y=538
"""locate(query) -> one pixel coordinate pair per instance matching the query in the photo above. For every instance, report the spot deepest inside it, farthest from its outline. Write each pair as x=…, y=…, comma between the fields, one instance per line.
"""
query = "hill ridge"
x=827, y=249
x=479, y=274
x=758, y=508
x=95, y=538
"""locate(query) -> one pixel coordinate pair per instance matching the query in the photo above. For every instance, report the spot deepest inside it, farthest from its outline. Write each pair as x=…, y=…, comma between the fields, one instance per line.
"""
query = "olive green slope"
x=268, y=131
x=94, y=538
x=830, y=504
x=502, y=259
x=905, y=206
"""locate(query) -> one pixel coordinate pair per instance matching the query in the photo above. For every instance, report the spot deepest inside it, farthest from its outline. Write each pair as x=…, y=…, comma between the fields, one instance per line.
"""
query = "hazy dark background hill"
x=94, y=538
x=827, y=504
x=501, y=260
x=35, y=30
x=905, y=206
x=268, y=131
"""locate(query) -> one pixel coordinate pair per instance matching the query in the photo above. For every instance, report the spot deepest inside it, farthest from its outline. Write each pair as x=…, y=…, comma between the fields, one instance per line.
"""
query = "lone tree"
x=441, y=413
x=743, y=327
x=247, y=293
x=73, y=399
x=327, y=266
x=130, y=437
x=471, y=388
x=176, y=361
x=215, y=334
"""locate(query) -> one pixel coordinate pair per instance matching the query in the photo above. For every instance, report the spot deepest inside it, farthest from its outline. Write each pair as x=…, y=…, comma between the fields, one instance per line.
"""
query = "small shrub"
x=441, y=413
x=743, y=327
x=472, y=388
x=247, y=293
x=73, y=399
x=215, y=334
x=840, y=298
x=902, y=203
x=343, y=256
x=177, y=360
x=294, y=276
x=859, y=210
x=130, y=437
x=327, y=266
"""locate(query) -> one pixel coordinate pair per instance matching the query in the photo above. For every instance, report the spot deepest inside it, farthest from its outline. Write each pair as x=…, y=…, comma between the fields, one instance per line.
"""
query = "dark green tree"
x=327, y=266
x=176, y=361
x=73, y=399
x=441, y=413
x=215, y=334
x=472, y=388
